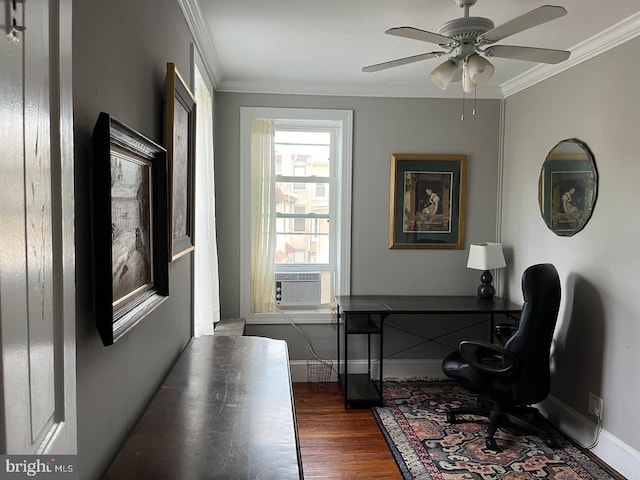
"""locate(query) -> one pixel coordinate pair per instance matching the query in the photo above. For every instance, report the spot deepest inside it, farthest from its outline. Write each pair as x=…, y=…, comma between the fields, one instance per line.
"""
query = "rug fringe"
x=427, y=378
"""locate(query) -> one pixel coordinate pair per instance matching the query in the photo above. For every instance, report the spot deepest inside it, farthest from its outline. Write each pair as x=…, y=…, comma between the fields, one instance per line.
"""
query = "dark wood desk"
x=365, y=315
x=224, y=411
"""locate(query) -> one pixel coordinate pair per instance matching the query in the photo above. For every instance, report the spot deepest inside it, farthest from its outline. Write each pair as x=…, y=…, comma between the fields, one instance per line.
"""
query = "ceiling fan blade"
x=535, y=17
x=422, y=35
x=402, y=61
x=530, y=54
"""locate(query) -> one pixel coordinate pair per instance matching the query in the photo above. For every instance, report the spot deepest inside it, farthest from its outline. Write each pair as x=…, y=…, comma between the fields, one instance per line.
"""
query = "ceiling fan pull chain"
x=463, y=98
x=475, y=99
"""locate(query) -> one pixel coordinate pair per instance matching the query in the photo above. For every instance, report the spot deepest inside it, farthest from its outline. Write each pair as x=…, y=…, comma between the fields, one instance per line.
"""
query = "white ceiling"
x=320, y=46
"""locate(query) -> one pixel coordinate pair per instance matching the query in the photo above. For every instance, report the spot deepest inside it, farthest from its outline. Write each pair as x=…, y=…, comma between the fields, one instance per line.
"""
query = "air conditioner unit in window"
x=297, y=289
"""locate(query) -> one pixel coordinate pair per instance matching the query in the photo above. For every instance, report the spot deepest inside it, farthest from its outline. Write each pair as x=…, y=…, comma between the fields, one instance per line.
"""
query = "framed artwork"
x=180, y=118
x=426, y=208
x=130, y=259
x=568, y=187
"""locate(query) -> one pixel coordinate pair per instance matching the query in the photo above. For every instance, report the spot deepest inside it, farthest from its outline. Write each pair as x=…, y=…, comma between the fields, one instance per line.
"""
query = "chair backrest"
x=532, y=341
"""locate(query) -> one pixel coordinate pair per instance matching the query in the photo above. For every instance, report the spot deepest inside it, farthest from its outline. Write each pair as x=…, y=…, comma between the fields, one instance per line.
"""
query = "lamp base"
x=486, y=290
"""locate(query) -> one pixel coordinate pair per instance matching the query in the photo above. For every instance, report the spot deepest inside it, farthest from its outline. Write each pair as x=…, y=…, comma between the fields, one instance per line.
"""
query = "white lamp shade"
x=443, y=74
x=479, y=69
x=486, y=256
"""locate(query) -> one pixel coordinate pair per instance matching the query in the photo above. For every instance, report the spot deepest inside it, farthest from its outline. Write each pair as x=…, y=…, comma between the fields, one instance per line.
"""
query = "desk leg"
x=346, y=363
x=381, y=380
x=369, y=354
x=492, y=327
x=338, y=342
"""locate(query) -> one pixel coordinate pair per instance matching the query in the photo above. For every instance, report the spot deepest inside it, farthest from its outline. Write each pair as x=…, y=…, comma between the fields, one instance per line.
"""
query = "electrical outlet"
x=596, y=405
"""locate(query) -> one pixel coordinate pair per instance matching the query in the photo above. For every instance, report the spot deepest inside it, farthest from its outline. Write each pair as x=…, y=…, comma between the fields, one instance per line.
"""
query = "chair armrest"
x=488, y=358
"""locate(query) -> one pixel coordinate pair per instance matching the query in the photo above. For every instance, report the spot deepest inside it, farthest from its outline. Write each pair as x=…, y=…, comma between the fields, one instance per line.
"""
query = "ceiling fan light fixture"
x=467, y=84
x=479, y=69
x=443, y=74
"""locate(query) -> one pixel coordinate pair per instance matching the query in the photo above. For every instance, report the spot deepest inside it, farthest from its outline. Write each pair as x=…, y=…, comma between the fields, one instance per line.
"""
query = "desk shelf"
x=361, y=389
x=364, y=323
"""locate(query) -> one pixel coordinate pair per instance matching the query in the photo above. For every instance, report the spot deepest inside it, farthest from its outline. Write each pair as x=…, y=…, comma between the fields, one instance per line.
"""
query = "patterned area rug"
x=427, y=447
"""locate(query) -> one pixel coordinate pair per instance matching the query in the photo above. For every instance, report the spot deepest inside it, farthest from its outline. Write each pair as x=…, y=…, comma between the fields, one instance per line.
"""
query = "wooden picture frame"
x=130, y=253
x=427, y=199
x=180, y=122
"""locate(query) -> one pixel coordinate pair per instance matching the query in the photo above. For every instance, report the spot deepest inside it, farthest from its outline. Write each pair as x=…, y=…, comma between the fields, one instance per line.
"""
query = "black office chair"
x=509, y=379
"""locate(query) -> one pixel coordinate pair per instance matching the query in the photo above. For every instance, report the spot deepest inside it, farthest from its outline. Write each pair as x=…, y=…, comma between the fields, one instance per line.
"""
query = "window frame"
x=312, y=118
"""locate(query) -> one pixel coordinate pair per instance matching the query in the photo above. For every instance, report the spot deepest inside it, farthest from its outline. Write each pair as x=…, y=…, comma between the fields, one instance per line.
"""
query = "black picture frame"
x=426, y=208
x=129, y=217
x=180, y=120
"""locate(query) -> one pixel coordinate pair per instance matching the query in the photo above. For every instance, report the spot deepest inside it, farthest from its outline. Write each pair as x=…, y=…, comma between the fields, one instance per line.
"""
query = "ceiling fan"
x=468, y=40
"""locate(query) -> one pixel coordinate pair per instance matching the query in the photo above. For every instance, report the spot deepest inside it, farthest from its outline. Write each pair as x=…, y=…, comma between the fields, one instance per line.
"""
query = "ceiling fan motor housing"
x=466, y=29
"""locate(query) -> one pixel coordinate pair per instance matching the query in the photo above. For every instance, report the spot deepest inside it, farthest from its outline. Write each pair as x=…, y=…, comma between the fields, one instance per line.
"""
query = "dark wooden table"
x=365, y=315
x=225, y=411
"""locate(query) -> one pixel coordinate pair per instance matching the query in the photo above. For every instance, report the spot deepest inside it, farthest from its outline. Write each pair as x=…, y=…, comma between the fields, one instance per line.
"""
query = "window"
x=295, y=206
x=299, y=222
x=303, y=223
x=299, y=168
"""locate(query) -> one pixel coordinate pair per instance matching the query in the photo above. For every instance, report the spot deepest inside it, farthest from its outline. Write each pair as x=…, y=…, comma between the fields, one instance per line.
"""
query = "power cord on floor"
x=323, y=366
x=595, y=441
x=598, y=430
x=304, y=335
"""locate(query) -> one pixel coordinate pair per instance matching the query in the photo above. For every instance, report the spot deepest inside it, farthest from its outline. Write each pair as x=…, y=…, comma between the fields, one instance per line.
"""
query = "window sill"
x=298, y=316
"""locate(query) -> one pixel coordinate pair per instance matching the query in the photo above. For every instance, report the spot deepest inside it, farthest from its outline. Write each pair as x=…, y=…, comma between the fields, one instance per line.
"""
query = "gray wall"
x=119, y=65
x=119, y=62
x=382, y=126
x=597, y=342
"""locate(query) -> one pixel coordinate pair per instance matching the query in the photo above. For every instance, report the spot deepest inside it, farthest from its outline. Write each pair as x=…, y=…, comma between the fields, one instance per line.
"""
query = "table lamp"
x=486, y=256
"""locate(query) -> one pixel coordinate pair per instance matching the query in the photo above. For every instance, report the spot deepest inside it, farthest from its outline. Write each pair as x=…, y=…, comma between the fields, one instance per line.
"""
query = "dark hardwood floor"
x=336, y=443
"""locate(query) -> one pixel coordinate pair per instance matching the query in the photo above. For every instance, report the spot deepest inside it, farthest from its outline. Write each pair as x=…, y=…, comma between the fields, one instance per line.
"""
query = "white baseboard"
x=400, y=369
x=299, y=371
x=610, y=449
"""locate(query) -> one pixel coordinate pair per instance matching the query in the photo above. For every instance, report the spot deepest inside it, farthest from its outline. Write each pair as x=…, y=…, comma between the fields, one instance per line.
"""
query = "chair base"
x=515, y=417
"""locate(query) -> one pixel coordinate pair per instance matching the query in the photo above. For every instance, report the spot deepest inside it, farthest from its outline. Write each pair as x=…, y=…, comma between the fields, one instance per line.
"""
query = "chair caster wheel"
x=451, y=418
x=492, y=445
x=551, y=443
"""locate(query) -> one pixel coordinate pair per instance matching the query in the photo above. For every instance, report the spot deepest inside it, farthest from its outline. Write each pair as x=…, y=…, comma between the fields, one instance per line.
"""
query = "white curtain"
x=263, y=215
x=206, y=283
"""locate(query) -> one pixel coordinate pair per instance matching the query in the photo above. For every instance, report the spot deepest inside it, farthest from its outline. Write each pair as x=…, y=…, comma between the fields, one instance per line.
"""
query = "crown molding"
x=596, y=45
x=392, y=91
x=202, y=37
